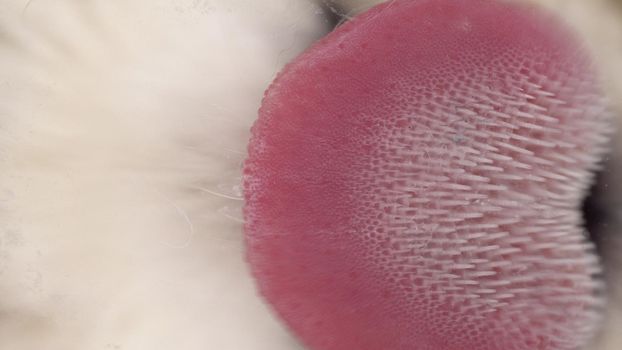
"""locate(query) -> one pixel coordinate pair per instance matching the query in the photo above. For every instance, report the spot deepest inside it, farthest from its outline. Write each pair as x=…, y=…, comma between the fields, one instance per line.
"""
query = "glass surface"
x=123, y=129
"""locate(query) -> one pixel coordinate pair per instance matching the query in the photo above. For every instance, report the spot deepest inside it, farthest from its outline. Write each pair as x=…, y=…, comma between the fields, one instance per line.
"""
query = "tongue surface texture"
x=414, y=182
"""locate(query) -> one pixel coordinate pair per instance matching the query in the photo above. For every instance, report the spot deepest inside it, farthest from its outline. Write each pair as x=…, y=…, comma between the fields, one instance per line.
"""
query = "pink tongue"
x=414, y=181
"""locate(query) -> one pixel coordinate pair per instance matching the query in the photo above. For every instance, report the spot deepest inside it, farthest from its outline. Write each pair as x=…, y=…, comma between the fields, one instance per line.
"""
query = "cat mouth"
x=602, y=213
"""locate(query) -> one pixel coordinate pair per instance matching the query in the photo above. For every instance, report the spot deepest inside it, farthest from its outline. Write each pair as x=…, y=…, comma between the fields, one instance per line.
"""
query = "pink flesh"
x=414, y=179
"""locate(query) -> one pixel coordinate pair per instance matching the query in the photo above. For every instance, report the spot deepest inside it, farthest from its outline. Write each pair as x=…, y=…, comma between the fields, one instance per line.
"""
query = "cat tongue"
x=414, y=182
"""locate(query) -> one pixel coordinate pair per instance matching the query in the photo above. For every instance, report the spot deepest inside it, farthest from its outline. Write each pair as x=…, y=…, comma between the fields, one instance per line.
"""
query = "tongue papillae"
x=414, y=182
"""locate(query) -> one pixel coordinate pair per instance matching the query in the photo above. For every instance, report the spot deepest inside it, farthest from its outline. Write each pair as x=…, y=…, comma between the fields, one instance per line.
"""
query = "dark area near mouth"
x=595, y=213
x=333, y=14
x=602, y=220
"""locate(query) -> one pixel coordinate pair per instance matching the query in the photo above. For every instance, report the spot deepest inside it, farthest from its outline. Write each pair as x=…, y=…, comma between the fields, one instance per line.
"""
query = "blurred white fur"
x=122, y=129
